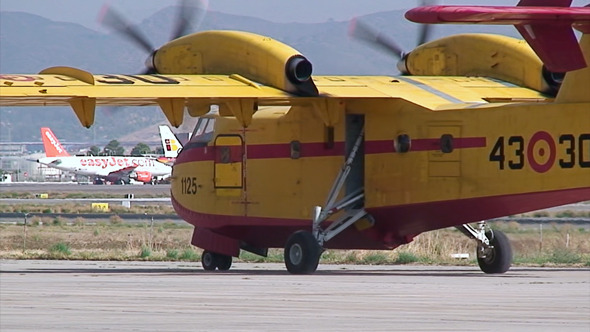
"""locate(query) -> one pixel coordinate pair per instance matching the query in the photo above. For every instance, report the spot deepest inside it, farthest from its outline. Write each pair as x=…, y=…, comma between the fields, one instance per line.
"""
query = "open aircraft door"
x=228, y=166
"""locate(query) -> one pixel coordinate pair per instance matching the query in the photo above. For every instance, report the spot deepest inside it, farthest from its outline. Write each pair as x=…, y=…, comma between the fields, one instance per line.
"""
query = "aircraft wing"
x=118, y=174
x=236, y=95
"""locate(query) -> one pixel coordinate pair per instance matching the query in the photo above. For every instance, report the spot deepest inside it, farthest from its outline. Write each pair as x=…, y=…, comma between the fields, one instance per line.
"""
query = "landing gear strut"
x=212, y=261
x=494, y=253
x=303, y=249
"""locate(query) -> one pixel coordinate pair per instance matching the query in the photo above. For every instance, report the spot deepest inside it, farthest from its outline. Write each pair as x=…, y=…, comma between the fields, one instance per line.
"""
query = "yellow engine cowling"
x=505, y=58
x=258, y=58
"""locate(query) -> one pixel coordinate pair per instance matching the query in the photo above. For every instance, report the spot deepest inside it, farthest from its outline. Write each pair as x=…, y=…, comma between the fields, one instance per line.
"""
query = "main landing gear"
x=494, y=253
x=303, y=249
x=302, y=253
x=212, y=261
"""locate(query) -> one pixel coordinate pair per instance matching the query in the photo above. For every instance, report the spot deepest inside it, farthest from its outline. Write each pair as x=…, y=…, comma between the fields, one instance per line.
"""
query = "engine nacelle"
x=505, y=58
x=258, y=58
x=142, y=176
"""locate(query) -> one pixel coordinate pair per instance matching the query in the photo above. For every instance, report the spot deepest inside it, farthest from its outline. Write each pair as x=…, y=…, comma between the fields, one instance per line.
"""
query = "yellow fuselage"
x=463, y=165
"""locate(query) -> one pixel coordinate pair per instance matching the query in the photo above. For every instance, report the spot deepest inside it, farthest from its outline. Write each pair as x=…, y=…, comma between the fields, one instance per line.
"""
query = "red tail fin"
x=51, y=144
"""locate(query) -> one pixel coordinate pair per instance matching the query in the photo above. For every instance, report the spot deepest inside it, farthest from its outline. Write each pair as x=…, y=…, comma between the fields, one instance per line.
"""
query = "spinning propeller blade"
x=110, y=18
x=364, y=32
x=186, y=19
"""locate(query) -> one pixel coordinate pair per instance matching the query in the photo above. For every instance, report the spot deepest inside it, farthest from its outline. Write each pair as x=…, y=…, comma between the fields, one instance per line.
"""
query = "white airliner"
x=115, y=169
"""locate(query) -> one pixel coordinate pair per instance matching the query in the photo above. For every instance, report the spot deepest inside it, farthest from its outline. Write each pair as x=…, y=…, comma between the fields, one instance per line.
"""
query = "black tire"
x=302, y=253
x=209, y=260
x=223, y=262
x=499, y=258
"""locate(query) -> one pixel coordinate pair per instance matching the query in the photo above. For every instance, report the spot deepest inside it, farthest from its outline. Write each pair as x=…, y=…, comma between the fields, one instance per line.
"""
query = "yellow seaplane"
x=477, y=127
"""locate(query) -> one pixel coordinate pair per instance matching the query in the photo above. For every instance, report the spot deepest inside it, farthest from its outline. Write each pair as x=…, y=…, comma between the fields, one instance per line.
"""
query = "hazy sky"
x=85, y=12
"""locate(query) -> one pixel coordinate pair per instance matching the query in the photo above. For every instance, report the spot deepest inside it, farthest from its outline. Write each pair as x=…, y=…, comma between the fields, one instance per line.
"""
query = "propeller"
x=185, y=17
x=364, y=32
x=109, y=17
x=187, y=11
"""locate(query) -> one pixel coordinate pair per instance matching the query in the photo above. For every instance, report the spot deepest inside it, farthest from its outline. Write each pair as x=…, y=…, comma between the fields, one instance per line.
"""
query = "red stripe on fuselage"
x=264, y=232
x=308, y=150
x=433, y=144
x=269, y=151
x=394, y=224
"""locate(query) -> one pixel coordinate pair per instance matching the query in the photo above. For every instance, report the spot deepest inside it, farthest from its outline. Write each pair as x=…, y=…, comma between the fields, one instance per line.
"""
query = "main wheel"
x=209, y=260
x=497, y=258
x=302, y=253
x=223, y=262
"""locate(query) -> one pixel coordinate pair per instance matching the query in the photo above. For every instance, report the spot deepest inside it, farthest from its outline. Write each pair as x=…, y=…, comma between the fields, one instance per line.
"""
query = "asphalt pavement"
x=164, y=296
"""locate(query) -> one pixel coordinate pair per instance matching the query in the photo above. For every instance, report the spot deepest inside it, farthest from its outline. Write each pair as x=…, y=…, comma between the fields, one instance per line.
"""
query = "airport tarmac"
x=68, y=187
x=163, y=296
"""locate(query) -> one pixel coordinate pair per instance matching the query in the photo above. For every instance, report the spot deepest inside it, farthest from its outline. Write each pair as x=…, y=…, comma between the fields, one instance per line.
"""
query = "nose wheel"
x=497, y=256
x=494, y=253
x=212, y=261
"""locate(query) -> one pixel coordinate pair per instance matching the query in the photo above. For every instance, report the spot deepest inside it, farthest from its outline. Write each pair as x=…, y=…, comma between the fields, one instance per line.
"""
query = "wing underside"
x=122, y=173
x=239, y=97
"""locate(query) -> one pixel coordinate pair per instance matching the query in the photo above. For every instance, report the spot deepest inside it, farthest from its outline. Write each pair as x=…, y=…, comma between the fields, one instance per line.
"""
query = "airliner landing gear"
x=302, y=253
x=494, y=253
x=212, y=261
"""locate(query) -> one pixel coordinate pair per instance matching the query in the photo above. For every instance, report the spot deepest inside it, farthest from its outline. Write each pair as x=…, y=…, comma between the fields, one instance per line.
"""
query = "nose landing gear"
x=494, y=253
x=497, y=256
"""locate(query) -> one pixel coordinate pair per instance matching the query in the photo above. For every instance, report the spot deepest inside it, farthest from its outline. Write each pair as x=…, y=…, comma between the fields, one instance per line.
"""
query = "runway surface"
x=68, y=187
x=161, y=296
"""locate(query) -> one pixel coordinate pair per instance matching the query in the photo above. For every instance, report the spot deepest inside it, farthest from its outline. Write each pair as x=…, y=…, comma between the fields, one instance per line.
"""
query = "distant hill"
x=30, y=43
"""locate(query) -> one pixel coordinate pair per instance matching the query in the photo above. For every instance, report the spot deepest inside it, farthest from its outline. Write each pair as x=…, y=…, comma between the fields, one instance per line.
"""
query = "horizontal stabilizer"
x=547, y=29
x=499, y=15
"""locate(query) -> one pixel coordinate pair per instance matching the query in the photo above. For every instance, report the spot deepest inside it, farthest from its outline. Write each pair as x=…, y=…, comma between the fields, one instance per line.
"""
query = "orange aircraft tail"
x=51, y=144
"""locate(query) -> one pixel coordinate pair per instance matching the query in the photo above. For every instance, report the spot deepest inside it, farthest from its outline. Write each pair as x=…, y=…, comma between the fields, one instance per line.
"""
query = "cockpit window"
x=203, y=132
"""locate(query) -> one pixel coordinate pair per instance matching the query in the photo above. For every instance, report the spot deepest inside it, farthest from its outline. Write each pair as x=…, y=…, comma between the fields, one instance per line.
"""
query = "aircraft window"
x=203, y=132
x=446, y=143
x=210, y=125
x=403, y=143
x=295, y=149
x=200, y=127
x=225, y=154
